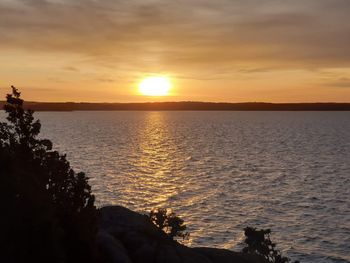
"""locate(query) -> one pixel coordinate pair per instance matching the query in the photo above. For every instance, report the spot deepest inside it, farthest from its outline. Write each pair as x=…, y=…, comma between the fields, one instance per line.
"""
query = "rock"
x=189, y=255
x=145, y=253
x=126, y=236
x=225, y=256
x=167, y=254
x=112, y=249
x=118, y=221
x=141, y=238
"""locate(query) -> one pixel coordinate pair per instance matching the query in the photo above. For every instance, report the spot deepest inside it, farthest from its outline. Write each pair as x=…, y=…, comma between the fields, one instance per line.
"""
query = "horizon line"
x=183, y=101
x=184, y=106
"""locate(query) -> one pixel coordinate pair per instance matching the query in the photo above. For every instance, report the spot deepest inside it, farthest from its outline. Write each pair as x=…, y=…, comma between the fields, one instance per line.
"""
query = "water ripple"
x=222, y=171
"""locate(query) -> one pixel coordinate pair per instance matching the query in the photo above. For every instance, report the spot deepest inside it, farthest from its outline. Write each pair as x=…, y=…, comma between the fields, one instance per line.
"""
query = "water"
x=222, y=171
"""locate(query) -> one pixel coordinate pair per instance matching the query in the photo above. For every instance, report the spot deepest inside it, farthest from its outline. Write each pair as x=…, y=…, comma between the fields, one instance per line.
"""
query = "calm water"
x=222, y=171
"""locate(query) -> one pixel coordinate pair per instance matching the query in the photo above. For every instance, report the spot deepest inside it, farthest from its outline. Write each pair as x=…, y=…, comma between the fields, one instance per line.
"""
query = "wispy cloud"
x=340, y=83
x=177, y=34
x=269, y=50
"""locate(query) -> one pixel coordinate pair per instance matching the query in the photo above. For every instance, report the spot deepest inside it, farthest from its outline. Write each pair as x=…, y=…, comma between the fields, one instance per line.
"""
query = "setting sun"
x=155, y=86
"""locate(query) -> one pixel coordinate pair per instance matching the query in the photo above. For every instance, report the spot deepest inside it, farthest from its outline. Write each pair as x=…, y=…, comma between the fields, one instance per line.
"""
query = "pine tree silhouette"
x=48, y=212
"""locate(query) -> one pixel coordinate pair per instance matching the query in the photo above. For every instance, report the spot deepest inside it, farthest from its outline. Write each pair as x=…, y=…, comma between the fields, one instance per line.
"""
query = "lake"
x=221, y=172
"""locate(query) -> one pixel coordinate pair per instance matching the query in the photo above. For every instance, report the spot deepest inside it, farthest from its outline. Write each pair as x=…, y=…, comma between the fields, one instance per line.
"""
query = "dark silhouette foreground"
x=48, y=212
x=167, y=221
x=258, y=242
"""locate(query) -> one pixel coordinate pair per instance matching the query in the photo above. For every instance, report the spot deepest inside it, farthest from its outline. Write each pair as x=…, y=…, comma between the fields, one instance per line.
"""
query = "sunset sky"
x=211, y=50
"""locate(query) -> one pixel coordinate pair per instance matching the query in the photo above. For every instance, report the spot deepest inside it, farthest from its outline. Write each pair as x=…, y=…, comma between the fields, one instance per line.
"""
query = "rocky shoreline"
x=125, y=236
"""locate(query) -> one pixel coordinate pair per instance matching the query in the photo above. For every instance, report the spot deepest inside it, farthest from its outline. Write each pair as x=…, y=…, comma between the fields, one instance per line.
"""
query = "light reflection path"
x=158, y=158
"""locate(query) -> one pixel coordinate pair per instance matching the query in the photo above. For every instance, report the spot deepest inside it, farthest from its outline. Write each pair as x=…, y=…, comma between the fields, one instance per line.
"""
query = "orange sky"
x=234, y=51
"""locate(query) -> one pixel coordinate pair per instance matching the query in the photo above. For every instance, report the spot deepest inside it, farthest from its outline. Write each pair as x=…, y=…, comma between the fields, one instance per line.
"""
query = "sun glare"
x=155, y=86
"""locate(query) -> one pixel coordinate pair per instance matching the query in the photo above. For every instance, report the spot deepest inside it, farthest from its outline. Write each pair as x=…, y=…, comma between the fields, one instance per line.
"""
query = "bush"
x=258, y=242
x=48, y=212
x=167, y=221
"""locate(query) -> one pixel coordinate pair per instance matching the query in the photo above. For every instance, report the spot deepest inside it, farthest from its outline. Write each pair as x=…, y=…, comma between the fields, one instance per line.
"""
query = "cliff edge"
x=125, y=236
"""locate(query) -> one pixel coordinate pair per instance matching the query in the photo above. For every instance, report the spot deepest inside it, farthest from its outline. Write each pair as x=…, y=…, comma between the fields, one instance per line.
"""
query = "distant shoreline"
x=184, y=106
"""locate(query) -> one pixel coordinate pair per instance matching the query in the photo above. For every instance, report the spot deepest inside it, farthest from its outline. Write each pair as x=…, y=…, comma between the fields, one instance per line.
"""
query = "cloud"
x=184, y=35
x=340, y=83
x=108, y=80
x=70, y=68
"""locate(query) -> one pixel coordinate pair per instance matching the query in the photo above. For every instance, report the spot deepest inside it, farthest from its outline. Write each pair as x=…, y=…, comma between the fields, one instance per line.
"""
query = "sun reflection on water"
x=156, y=160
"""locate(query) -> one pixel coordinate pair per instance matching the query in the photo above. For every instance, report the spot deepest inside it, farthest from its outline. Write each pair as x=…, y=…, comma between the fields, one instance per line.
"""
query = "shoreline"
x=183, y=106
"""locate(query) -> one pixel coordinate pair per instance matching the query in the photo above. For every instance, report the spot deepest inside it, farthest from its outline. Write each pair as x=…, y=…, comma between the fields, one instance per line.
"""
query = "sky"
x=222, y=50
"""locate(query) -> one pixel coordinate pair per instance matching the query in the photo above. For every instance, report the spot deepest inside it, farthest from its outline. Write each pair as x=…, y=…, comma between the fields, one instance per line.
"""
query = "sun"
x=155, y=86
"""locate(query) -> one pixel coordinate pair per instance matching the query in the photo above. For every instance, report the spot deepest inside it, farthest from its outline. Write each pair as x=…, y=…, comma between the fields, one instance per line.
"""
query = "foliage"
x=48, y=211
x=258, y=242
x=166, y=220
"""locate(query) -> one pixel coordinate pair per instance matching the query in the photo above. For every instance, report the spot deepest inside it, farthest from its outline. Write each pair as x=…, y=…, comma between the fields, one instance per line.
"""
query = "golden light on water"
x=155, y=86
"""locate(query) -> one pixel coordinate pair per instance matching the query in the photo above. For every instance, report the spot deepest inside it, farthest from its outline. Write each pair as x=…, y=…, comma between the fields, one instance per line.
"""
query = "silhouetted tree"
x=167, y=221
x=48, y=212
x=258, y=242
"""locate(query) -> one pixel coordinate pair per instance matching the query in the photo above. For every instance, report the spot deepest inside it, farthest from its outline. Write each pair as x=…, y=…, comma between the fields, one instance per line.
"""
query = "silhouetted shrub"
x=258, y=242
x=48, y=212
x=166, y=220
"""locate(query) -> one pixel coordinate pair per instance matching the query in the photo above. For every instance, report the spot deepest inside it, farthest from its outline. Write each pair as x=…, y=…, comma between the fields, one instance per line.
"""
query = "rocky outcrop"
x=128, y=237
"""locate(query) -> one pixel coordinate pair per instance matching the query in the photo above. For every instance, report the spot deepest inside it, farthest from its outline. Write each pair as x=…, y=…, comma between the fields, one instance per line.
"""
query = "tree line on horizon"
x=183, y=106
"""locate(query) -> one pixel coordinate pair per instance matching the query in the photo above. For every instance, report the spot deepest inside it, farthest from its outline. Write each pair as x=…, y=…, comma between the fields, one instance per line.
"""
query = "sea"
x=221, y=172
